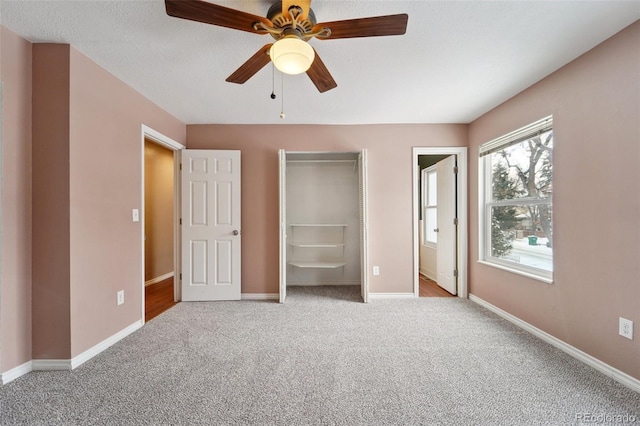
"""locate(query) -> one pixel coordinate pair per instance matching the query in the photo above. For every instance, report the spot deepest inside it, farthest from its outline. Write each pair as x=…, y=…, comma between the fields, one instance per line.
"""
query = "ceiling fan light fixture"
x=291, y=55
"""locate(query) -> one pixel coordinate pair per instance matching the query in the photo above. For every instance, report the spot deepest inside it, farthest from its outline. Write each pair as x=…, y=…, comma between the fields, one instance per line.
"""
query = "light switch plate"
x=136, y=215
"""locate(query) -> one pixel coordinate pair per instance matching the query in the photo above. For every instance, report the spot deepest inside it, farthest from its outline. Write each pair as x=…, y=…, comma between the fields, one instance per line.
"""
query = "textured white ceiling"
x=457, y=60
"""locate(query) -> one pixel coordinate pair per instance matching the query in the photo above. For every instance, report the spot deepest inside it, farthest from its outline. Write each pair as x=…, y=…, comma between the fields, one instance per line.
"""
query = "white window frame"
x=485, y=179
x=426, y=206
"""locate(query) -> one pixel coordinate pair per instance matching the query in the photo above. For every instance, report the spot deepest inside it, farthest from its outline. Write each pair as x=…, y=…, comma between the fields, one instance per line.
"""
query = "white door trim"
x=364, y=224
x=463, y=227
x=282, y=224
x=157, y=137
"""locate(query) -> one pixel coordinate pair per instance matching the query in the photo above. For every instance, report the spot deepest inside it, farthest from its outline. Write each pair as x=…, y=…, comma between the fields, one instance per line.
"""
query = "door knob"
x=236, y=232
x=436, y=230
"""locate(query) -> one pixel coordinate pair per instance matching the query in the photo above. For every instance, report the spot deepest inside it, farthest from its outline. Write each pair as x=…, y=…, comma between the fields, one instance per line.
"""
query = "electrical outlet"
x=376, y=270
x=120, y=297
x=626, y=328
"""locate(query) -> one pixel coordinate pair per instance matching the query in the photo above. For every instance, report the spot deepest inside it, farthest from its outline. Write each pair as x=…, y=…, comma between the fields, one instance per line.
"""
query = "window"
x=516, y=187
x=430, y=206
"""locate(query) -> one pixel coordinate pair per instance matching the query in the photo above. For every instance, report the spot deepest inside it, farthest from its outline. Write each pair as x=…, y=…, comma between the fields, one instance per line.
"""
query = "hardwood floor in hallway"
x=158, y=298
x=429, y=288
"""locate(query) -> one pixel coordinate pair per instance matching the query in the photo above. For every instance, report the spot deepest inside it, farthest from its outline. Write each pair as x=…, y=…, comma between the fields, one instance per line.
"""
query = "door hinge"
x=180, y=276
x=180, y=221
x=180, y=166
x=455, y=170
x=455, y=221
x=455, y=273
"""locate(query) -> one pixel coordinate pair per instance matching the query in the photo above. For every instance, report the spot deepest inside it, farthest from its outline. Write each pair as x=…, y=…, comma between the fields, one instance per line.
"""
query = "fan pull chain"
x=273, y=81
x=282, y=98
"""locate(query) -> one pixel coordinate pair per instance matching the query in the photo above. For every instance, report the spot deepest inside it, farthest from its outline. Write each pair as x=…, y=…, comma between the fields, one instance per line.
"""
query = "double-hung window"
x=430, y=206
x=516, y=211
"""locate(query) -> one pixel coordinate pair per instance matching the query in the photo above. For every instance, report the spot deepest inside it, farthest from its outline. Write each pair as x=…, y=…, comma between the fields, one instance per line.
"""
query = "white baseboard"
x=51, y=364
x=110, y=341
x=70, y=364
x=259, y=296
x=604, y=368
x=380, y=296
x=14, y=373
x=158, y=279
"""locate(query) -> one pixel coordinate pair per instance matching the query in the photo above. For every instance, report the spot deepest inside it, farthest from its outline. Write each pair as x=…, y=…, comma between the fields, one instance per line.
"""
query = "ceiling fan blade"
x=209, y=13
x=366, y=27
x=252, y=66
x=304, y=4
x=319, y=74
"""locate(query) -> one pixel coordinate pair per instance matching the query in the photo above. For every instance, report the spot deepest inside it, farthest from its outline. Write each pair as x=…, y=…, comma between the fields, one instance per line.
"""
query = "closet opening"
x=323, y=249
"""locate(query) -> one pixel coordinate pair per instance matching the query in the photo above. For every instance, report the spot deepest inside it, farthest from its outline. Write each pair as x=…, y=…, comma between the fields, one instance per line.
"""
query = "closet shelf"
x=326, y=265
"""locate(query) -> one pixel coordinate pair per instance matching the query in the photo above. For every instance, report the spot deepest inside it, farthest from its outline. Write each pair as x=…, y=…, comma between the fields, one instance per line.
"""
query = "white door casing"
x=210, y=182
x=364, y=226
x=282, y=176
x=447, y=226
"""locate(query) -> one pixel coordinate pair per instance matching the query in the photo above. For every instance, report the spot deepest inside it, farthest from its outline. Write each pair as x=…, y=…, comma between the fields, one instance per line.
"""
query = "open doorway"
x=160, y=230
x=440, y=222
x=436, y=223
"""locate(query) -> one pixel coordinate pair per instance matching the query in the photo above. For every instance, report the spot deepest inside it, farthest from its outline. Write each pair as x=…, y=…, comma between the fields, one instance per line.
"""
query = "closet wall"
x=389, y=190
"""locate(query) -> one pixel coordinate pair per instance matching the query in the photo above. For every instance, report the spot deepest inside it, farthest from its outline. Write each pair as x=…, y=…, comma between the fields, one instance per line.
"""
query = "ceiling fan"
x=292, y=23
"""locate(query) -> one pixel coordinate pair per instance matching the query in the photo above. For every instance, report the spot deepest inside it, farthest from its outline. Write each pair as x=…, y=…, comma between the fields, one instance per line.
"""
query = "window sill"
x=517, y=271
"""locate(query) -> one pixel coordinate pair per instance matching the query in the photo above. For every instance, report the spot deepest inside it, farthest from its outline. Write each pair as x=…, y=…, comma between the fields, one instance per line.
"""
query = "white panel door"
x=364, y=226
x=210, y=225
x=283, y=224
x=447, y=229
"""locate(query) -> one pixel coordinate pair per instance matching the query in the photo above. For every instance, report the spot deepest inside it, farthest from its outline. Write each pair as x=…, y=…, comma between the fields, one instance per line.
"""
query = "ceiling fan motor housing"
x=283, y=21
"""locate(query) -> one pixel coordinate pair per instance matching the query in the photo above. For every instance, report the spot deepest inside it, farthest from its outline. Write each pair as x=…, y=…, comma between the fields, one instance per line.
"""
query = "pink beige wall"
x=390, y=189
x=15, y=201
x=595, y=102
x=105, y=159
x=88, y=171
x=50, y=161
x=158, y=210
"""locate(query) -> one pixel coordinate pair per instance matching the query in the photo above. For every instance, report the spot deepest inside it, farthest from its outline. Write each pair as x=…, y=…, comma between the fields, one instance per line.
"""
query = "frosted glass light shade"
x=292, y=55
